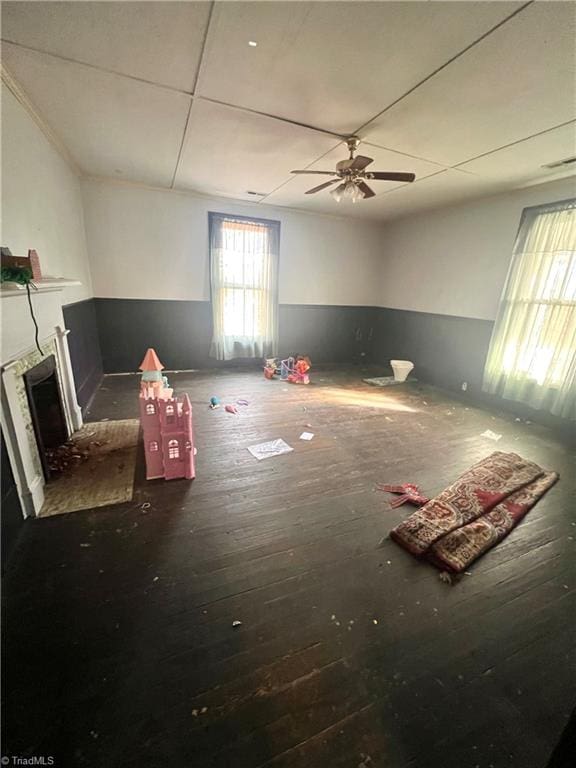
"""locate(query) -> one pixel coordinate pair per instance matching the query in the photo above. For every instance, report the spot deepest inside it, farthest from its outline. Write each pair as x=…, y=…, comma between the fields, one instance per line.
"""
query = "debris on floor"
x=242, y=402
x=236, y=623
x=306, y=436
x=271, y=448
x=491, y=435
x=214, y=402
x=231, y=409
x=66, y=455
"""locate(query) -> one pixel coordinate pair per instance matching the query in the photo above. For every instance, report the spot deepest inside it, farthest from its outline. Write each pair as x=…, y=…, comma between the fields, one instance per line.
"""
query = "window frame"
x=214, y=216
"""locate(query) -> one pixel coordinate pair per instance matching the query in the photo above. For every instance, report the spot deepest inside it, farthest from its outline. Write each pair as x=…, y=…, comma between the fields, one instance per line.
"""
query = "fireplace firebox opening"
x=46, y=409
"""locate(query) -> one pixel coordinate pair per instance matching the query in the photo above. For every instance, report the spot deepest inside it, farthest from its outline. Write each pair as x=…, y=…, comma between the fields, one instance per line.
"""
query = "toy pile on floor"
x=167, y=424
x=293, y=369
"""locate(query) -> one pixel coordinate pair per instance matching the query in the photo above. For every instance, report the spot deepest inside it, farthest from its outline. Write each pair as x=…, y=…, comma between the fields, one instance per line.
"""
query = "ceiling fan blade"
x=360, y=162
x=322, y=173
x=354, y=163
x=321, y=186
x=390, y=176
x=365, y=189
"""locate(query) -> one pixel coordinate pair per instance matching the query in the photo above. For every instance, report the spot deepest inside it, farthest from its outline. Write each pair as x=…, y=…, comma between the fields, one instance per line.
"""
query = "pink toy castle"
x=166, y=423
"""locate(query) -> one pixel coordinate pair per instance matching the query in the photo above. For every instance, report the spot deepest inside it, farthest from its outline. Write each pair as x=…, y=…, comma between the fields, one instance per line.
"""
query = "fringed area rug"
x=476, y=512
x=387, y=381
x=103, y=473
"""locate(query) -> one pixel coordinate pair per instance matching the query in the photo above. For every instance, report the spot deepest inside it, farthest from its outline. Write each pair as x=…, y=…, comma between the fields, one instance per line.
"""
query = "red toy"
x=409, y=492
x=299, y=373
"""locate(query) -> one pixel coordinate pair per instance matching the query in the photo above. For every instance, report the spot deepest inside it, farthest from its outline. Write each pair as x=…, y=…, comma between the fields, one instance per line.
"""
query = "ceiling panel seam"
x=249, y=110
x=513, y=143
x=105, y=70
x=291, y=178
x=451, y=60
x=194, y=86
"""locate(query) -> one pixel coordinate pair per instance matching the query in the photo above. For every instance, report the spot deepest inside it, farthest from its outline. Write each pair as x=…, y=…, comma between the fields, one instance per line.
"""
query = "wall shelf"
x=42, y=286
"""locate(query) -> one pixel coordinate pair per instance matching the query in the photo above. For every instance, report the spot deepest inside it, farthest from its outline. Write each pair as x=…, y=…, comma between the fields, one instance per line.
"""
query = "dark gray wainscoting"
x=327, y=333
x=445, y=350
x=181, y=332
x=84, y=343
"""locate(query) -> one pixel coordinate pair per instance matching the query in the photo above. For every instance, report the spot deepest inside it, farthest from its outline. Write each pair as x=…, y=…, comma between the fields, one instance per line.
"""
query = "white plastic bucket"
x=401, y=369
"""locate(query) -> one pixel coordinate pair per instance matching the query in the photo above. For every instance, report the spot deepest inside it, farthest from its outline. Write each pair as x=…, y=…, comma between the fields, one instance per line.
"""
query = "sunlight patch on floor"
x=366, y=400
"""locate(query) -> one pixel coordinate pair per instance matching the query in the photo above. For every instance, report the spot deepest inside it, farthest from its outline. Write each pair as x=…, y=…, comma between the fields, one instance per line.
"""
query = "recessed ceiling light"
x=252, y=43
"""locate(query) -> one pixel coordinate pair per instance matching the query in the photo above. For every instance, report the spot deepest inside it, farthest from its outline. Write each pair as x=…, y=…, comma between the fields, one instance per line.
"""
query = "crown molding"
x=24, y=100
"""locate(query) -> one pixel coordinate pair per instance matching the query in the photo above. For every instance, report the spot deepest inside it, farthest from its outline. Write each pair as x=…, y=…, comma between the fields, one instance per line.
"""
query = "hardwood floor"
x=119, y=644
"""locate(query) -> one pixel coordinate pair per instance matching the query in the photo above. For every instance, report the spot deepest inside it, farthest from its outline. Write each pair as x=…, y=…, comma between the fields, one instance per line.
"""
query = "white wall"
x=41, y=201
x=146, y=243
x=454, y=261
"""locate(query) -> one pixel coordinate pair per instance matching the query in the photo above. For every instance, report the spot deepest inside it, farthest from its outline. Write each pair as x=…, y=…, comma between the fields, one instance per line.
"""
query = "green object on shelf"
x=20, y=275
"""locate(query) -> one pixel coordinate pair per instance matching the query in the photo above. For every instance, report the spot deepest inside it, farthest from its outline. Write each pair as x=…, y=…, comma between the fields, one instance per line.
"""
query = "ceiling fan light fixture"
x=356, y=193
x=347, y=191
x=338, y=193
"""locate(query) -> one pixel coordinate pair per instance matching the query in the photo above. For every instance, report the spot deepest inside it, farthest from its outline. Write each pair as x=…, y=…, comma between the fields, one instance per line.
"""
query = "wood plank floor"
x=119, y=649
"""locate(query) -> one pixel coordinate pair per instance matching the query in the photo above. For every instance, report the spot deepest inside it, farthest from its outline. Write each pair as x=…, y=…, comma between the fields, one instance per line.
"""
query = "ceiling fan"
x=351, y=174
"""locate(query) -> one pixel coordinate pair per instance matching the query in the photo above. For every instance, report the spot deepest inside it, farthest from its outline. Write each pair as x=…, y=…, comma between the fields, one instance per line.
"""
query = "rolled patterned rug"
x=476, y=512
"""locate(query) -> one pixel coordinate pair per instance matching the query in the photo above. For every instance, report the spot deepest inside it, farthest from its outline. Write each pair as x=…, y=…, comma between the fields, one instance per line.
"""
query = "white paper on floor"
x=491, y=435
x=306, y=435
x=271, y=448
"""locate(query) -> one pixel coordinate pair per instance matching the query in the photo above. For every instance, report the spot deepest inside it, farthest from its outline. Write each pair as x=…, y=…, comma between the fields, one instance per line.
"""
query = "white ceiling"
x=473, y=97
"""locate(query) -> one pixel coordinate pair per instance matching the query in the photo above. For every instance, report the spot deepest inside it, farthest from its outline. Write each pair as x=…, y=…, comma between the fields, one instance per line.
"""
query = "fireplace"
x=46, y=409
x=39, y=409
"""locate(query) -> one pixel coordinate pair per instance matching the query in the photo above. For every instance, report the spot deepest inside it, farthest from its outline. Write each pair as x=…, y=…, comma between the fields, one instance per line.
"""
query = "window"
x=169, y=414
x=153, y=446
x=173, y=449
x=244, y=278
x=532, y=356
x=150, y=408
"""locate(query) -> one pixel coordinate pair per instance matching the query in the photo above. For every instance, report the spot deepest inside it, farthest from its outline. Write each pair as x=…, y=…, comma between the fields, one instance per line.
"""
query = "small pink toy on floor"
x=409, y=493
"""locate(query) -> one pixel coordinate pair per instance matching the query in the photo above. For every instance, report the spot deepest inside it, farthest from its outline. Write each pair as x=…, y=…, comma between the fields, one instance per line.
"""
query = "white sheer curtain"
x=244, y=282
x=532, y=355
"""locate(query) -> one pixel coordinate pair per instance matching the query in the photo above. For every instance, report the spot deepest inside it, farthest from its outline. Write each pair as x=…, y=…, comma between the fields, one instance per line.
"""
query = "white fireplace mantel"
x=9, y=289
